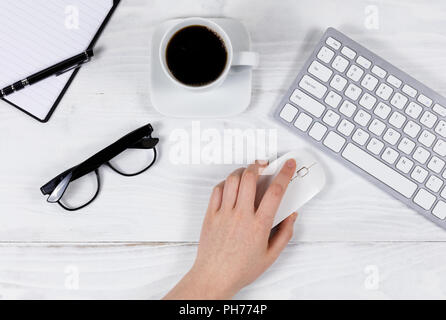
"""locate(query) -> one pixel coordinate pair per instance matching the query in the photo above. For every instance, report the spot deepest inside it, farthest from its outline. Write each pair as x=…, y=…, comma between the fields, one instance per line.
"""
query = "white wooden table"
x=140, y=236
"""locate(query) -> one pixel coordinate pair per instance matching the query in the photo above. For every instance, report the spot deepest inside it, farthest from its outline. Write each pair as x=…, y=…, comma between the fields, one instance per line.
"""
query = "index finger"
x=248, y=185
x=274, y=194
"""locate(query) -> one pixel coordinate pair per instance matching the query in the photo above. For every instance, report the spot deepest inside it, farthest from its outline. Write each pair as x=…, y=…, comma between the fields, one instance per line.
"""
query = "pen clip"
x=73, y=67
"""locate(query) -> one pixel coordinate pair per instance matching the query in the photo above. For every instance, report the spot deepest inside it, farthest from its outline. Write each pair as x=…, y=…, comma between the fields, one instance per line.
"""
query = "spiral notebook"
x=36, y=34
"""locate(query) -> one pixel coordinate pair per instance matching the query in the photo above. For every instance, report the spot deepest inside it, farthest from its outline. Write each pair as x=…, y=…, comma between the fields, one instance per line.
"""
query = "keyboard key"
x=362, y=118
x=440, y=110
x=443, y=193
x=347, y=108
x=335, y=44
x=405, y=165
x=288, y=112
x=353, y=92
x=377, y=127
x=320, y=71
x=338, y=82
x=307, y=103
x=379, y=72
x=440, y=148
x=312, y=86
x=363, y=62
x=394, y=81
x=434, y=183
x=412, y=129
x=325, y=54
x=428, y=119
x=346, y=127
x=375, y=146
x=331, y=118
x=389, y=155
x=419, y=174
x=399, y=101
x=426, y=138
x=421, y=155
x=391, y=136
x=367, y=101
x=334, y=141
x=333, y=99
x=369, y=82
x=440, y=210
x=413, y=110
x=349, y=53
x=360, y=137
x=340, y=64
x=424, y=100
x=379, y=170
x=303, y=122
x=355, y=73
x=436, y=164
x=411, y=92
x=424, y=199
x=406, y=146
x=441, y=128
x=397, y=119
x=317, y=131
x=382, y=110
x=384, y=91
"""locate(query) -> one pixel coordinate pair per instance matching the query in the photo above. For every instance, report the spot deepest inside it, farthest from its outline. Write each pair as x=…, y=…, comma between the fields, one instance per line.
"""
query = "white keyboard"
x=375, y=118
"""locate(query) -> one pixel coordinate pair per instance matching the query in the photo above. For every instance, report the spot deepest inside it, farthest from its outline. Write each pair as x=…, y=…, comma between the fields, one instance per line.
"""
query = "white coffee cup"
x=243, y=58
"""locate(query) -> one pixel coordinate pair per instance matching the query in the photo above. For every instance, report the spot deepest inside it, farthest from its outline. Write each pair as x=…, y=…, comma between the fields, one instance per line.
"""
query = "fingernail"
x=262, y=162
x=291, y=163
x=294, y=216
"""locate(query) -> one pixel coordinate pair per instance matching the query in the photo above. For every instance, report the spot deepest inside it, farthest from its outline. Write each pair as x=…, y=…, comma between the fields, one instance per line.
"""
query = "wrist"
x=208, y=285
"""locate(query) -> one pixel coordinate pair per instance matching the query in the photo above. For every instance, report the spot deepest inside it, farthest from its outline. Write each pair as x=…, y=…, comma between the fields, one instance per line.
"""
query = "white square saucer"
x=231, y=98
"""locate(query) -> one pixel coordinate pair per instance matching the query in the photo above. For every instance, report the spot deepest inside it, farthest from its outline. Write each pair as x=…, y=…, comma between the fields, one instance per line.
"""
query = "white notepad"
x=36, y=34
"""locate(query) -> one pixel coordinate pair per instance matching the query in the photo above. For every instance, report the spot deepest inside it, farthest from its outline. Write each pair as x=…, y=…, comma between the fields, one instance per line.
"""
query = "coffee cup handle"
x=246, y=58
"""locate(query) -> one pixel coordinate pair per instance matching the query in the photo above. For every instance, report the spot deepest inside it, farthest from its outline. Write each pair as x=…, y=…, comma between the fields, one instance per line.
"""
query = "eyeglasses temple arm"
x=146, y=143
x=58, y=192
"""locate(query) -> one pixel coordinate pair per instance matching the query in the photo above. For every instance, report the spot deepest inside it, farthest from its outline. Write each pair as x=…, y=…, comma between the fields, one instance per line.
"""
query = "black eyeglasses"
x=139, y=140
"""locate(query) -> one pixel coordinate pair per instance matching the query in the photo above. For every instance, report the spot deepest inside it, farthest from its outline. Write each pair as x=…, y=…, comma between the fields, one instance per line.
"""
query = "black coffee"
x=196, y=56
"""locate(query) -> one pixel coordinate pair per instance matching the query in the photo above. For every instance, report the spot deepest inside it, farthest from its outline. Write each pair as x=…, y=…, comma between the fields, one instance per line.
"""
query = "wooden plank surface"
x=350, y=226
x=387, y=270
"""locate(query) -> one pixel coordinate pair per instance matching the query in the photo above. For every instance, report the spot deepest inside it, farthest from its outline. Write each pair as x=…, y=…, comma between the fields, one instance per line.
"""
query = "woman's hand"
x=235, y=245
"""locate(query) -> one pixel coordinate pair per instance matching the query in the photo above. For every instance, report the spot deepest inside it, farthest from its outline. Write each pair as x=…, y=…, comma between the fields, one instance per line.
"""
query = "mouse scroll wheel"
x=302, y=172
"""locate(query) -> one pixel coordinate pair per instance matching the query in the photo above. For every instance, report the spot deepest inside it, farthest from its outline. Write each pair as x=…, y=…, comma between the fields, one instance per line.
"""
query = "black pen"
x=57, y=69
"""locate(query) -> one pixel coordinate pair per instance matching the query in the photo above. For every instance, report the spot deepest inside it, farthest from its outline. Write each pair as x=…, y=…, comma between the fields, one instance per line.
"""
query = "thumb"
x=280, y=239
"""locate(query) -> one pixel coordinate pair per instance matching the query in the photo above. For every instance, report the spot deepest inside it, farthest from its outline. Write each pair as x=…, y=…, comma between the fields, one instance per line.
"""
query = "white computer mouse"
x=308, y=180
